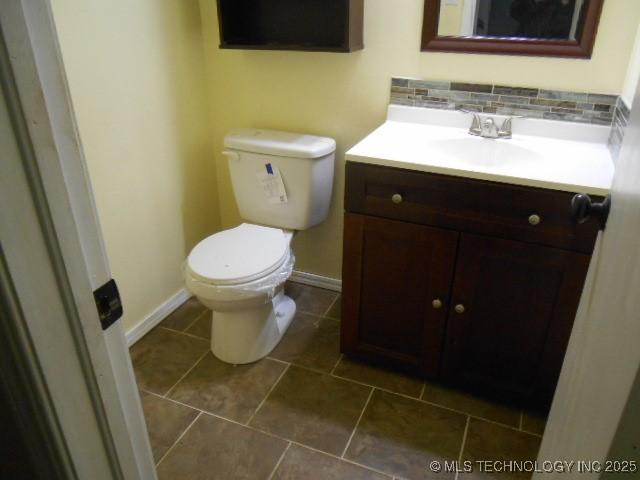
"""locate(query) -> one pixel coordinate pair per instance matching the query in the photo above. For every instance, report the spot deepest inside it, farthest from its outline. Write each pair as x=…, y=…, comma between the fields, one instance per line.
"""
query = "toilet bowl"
x=239, y=274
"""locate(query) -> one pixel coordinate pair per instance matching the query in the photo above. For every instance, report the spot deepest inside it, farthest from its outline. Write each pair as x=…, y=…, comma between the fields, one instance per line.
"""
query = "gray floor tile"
x=534, y=423
x=313, y=409
x=311, y=342
x=471, y=404
x=401, y=436
x=336, y=309
x=301, y=463
x=396, y=435
x=201, y=327
x=379, y=377
x=310, y=299
x=184, y=315
x=217, y=449
x=161, y=357
x=488, y=441
x=166, y=421
x=230, y=391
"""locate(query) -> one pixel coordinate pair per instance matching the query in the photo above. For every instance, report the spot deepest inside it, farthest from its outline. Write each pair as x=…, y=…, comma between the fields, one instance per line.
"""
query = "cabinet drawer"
x=468, y=205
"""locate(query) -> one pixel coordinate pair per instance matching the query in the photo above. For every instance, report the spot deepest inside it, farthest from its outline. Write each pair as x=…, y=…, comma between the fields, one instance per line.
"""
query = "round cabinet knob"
x=396, y=198
x=534, y=219
x=459, y=308
x=437, y=304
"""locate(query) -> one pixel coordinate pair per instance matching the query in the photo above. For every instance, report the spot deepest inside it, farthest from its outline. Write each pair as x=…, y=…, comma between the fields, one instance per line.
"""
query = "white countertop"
x=549, y=154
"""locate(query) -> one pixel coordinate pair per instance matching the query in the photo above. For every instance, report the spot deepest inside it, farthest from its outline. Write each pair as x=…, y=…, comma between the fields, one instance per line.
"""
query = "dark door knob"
x=582, y=209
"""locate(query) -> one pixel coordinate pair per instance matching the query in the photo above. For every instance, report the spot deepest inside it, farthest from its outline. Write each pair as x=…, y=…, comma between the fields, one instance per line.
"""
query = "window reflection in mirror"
x=532, y=19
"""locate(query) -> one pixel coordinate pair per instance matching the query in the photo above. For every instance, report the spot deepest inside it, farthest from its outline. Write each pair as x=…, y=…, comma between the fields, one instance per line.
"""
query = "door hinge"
x=108, y=303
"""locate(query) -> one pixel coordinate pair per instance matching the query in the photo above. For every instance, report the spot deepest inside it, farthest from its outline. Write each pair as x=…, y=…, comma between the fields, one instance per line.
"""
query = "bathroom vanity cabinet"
x=469, y=282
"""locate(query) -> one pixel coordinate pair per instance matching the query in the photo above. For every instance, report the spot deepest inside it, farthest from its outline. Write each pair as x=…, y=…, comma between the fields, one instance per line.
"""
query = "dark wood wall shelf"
x=304, y=25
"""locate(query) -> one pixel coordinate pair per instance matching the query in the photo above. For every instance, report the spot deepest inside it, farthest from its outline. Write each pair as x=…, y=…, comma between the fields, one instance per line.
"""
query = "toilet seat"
x=239, y=255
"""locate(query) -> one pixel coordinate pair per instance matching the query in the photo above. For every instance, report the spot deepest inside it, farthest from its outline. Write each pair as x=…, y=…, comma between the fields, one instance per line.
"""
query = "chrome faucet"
x=485, y=126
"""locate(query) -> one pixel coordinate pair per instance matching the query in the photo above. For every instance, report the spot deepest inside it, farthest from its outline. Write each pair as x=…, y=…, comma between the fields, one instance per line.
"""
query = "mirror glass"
x=531, y=19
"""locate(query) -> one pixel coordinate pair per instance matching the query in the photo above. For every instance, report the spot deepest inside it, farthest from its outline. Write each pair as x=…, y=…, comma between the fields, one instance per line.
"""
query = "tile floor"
x=306, y=412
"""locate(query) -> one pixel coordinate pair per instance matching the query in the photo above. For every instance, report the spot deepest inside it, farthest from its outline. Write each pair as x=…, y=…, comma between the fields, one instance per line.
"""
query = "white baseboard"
x=154, y=318
x=316, y=280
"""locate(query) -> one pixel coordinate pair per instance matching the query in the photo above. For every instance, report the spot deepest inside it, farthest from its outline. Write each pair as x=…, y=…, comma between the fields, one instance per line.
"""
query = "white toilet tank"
x=281, y=179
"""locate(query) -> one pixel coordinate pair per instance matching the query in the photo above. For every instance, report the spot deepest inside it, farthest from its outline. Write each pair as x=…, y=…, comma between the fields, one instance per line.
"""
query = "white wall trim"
x=154, y=318
x=139, y=330
x=316, y=280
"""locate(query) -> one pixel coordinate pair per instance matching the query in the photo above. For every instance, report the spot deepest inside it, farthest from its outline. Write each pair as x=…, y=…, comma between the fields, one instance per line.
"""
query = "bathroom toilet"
x=282, y=183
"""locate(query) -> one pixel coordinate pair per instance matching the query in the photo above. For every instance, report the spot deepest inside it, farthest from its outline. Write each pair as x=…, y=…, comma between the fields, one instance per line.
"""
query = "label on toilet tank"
x=271, y=183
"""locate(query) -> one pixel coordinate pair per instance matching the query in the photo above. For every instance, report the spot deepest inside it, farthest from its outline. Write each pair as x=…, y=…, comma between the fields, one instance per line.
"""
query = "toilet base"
x=245, y=336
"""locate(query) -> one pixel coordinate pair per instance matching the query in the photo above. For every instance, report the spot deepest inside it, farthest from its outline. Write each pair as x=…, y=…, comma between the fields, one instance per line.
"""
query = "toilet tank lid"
x=285, y=144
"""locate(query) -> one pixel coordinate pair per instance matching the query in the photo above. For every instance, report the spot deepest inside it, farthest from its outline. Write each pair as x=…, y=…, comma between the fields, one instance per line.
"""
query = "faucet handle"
x=506, y=127
x=476, y=125
x=476, y=122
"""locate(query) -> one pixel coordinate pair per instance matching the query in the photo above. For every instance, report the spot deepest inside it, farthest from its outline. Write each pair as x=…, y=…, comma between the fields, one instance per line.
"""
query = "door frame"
x=469, y=18
x=79, y=377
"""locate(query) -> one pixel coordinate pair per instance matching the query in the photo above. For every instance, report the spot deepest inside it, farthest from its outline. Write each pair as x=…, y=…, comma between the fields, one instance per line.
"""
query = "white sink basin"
x=542, y=153
x=483, y=152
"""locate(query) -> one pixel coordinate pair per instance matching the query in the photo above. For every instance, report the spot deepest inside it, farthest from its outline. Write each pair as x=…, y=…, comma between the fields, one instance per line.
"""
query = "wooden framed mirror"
x=550, y=28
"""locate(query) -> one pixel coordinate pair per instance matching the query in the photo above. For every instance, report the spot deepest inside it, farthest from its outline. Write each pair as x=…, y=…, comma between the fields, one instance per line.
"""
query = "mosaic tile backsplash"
x=620, y=121
x=531, y=102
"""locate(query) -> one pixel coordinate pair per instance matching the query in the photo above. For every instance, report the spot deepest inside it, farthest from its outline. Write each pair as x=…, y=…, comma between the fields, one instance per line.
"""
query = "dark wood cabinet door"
x=519, y=303
x=392, y=273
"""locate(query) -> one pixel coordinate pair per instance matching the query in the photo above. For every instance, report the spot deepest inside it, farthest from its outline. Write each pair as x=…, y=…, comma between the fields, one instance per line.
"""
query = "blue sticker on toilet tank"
x=271, y=184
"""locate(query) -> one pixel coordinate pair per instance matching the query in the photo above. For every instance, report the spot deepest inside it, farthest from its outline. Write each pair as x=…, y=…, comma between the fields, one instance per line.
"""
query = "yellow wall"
x=345, y=95
x=633, y=72
x=136, y=74
x=450, y=19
